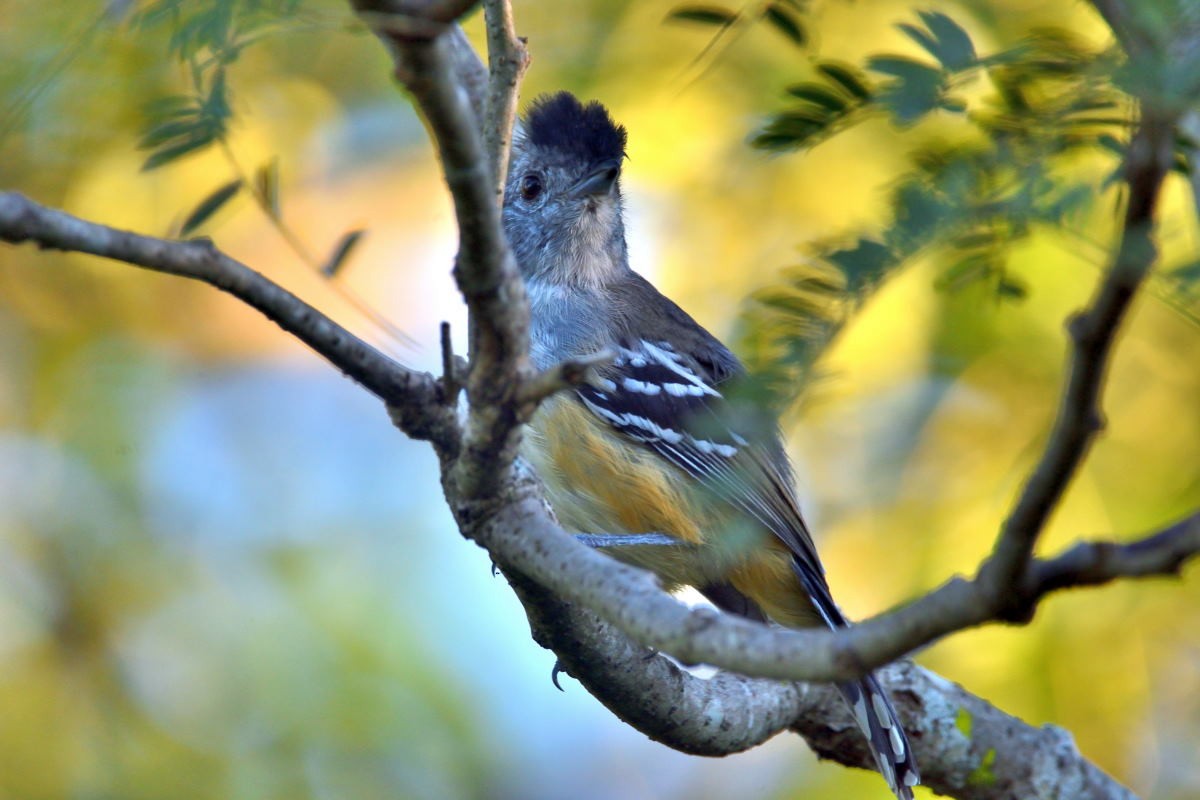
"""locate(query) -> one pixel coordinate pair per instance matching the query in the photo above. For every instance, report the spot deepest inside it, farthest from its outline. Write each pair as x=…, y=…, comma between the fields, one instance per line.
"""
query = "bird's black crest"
x=560, y=122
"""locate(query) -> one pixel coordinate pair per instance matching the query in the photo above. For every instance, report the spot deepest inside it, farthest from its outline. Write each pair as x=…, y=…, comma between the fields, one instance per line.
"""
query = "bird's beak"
x=599, y=181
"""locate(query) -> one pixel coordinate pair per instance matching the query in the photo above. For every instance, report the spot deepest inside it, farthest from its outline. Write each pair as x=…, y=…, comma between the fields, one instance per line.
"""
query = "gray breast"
x=564, y=323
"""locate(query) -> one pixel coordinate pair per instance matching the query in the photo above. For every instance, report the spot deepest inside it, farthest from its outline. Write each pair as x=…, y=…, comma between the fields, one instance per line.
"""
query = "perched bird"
x=653, y=446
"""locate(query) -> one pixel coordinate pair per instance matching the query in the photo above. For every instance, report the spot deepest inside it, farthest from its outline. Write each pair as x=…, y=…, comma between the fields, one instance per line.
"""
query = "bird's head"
x=562, y=201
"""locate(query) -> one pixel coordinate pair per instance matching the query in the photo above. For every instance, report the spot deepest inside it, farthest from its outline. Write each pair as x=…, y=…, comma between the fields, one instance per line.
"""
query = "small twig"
x=453, y=368
x=1097, y=563
x=292, y=240
x=564, y=375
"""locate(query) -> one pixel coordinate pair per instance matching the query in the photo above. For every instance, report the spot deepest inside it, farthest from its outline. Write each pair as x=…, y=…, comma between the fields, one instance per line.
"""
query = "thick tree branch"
x=485, y=270
x=967, y=748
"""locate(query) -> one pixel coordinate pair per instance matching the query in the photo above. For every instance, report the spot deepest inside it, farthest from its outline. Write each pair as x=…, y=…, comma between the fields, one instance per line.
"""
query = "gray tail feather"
x=869, y=703
x=874, y=714
x=872, y=709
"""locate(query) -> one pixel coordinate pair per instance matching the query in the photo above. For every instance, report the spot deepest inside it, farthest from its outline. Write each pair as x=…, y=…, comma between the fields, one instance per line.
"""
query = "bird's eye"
x=531, y=186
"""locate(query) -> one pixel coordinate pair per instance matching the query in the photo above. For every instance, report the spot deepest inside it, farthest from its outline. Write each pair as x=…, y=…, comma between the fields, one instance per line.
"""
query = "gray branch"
x=416, y=393
x=507, y=61
x=967, y=748
x=1092, y=336
x=485, y=270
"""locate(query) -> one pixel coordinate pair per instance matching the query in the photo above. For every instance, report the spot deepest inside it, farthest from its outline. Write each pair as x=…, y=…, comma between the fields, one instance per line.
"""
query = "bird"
x=653, y=450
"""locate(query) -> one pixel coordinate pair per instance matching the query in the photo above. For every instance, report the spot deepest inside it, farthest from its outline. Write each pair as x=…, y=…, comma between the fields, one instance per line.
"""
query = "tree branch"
x=527, y=542
x=515, y=526
x=507, y=61
x=1098, y=563
x=485, y=270
x=415, y=393
x=966, y=747
x=1092, y=336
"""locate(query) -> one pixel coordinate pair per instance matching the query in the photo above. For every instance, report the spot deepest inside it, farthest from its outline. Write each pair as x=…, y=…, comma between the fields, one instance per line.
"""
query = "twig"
x=507, y=61
x=292, y=240
x=564, y=375
x=453, y=368
x=1097, y=563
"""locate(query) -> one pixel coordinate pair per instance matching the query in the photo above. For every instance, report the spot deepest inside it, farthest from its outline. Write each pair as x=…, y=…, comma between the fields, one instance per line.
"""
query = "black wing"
x=666, y=401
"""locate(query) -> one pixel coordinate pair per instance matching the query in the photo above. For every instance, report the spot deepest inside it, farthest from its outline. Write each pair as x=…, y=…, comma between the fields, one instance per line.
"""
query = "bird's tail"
x=872, y=709
x=874, y=714
x=869, y=703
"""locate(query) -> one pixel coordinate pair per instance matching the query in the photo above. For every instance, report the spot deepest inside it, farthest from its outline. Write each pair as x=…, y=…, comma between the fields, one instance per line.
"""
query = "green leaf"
x=921, y=37
x=266, y=186
x=169, y=154
x=172, y=129
x=915, y=92
x=1111, y=144
x=1011, y=289
x=783, y=20
x=845, y=77
x=955, y=105
x=704, y=15
x=794, y=128
x=864, y=265
x=902, y=67
x=168, y=106
x=966, y=271
x=789, y=301
x=1185, y=276
x=954, y=47
x=334, y=265
x=209, y=206
x=216, y=105
x=818, y=95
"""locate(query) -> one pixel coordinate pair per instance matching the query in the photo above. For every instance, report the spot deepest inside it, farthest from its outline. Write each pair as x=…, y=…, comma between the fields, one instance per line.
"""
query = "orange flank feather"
x=597, y=484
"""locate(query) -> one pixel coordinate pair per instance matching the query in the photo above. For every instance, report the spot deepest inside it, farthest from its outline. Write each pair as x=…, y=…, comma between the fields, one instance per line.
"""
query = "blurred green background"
x=224, y=574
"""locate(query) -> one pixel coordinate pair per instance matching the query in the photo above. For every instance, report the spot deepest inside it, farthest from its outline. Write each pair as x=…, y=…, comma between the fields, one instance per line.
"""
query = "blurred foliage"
x=972, y=197
x=223, y=574
x=208, y=38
